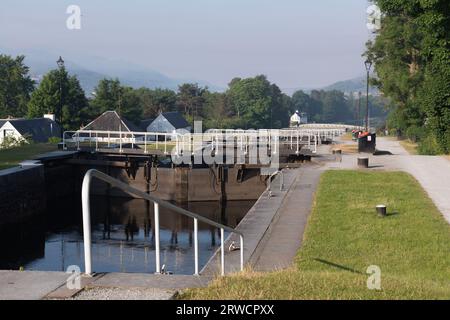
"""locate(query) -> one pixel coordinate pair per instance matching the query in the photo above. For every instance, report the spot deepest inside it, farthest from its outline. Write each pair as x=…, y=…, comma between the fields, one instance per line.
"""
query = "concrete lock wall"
x=22, y=193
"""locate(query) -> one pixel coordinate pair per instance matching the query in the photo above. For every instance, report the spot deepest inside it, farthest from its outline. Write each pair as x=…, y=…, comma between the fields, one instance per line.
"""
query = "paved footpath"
x=432, y=172
x=284, y=237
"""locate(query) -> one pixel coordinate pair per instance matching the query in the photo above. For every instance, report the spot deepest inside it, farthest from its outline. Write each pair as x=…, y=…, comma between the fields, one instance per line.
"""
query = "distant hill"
x=92, y=69
x=351, y=85
x=347, y=86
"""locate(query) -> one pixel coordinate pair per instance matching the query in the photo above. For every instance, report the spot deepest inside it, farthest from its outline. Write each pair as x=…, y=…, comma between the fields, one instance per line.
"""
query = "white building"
x=298, y=118
x=29, y=130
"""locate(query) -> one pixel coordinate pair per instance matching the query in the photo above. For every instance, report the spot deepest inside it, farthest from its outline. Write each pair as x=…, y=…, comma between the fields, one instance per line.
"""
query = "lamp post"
x=359, y=109
x=368, y=65
x=60, y=63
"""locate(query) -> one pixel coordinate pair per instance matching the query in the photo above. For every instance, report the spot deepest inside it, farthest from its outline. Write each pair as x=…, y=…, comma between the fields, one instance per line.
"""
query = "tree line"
x=247, y=103
x=412, y=64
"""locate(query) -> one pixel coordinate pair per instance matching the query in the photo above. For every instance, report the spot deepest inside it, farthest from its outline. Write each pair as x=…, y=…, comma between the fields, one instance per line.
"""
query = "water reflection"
x=122, y=236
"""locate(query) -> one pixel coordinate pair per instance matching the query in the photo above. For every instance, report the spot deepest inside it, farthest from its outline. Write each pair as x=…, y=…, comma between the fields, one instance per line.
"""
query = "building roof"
x=145, y=123
x=176, y=119
x=111, y=121
x=38, y=129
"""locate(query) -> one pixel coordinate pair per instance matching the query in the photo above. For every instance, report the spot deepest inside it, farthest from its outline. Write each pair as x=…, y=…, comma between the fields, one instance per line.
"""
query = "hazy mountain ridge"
x=351, y=85
x=93, y=69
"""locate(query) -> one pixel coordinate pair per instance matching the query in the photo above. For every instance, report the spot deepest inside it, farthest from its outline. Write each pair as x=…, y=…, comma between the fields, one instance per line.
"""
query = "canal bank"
x=257, y=227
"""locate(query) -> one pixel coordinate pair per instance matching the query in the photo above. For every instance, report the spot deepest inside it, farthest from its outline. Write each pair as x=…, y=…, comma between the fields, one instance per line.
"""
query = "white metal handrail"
x=189, y=143
x=92, y=173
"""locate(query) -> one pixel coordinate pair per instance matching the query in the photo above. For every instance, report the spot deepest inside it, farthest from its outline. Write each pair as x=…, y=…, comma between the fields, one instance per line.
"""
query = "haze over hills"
x=90, y=70
x=351, y=85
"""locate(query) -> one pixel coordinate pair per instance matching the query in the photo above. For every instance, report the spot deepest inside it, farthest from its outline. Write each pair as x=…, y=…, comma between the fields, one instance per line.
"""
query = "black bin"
x=367, y=142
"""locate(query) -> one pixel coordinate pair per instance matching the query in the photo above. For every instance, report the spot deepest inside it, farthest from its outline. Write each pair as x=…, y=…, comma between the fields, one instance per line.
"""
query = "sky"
x=296, y=43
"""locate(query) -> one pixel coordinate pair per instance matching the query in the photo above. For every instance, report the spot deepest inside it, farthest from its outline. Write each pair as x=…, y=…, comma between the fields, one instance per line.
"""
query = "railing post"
x=196, y=245
x=157, y=247
x=86, y=224
x=165, y=143
x=242, y=252
x=145, y=143
x=222, y=253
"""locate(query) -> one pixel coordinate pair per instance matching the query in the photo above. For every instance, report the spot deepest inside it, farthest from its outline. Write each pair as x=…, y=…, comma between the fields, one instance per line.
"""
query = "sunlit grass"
x=13, y=156
x=410, y=147
x=344, y=236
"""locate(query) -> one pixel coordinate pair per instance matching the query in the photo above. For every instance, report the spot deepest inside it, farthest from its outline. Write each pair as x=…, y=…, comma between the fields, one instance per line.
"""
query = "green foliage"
x=15, y=86
x=54, y=140
x=191, y=100
x=429, y=145
x=12, y=142
x=334, y=106
x=258, y=103
x=155, y=101
x=57, y=89
x=415, y=133
x=111, y=95
x=412, y=62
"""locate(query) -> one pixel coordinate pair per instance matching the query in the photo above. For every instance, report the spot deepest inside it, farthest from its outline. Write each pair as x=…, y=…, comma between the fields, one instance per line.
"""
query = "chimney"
x=49, y=116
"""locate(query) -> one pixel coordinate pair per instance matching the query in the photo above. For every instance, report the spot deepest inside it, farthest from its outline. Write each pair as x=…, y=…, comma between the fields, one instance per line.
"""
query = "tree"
x=216, y=111
x=304, y=103
x=111, y=95
x=56, y=87
x=15, y=86
x=259, y=103
x=190, y=99
x=156, y=101
x=411, y=55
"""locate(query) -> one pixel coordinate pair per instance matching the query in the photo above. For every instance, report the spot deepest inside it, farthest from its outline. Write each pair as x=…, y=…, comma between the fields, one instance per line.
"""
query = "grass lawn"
x=12, y=157
x=409, y=146
x=344, y=236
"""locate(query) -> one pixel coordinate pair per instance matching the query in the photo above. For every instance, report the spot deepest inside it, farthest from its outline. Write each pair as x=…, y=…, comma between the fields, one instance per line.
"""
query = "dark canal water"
x=122, y=236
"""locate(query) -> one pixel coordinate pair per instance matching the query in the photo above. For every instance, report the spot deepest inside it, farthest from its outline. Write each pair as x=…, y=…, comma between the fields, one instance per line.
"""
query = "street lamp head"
x=60, y=62
x=368, y=64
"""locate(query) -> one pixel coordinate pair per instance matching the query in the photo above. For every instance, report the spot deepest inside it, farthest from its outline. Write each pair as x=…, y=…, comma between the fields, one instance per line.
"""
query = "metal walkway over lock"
x=290, y=141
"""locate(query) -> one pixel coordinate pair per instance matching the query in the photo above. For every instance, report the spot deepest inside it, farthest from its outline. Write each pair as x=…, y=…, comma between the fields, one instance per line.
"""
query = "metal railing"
x=189, y=143
x=92, y=173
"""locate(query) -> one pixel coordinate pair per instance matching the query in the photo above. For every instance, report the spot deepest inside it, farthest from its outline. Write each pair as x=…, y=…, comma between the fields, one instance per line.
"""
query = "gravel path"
x=124, y=294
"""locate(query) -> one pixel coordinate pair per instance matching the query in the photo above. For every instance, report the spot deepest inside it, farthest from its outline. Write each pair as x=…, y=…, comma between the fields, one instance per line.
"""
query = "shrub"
x=430, y=146
x=11, y=142
x=415, y=133
x=54, y=140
